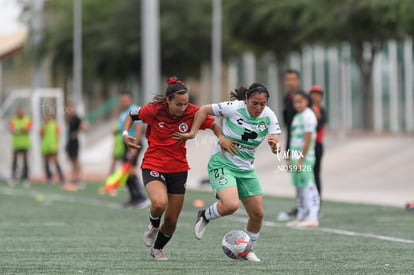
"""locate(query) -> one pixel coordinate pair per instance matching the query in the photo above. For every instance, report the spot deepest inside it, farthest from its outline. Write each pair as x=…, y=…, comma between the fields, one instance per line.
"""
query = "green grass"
x=50, y=231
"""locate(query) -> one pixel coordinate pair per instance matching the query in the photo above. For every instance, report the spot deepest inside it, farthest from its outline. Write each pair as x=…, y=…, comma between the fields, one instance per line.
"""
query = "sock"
x=61, y=177
x=14, y=168
x=155, y=221
x=253, y=237
x=48, y=173
x=25, y=174
x=211, y=213
x=311, y=201
x=300, y=199
x=161, y=240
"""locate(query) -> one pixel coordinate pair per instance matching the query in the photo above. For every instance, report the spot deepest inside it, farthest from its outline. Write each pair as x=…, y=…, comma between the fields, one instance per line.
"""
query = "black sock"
x=203, y=214
x=161, y=240
x=155, y=221
x=61, y=177
x=14, y=168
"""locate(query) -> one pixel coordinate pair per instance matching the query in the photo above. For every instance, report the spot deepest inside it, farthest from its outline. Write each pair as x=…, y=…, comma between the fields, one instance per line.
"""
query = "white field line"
x=101, y=203
x=334, y=231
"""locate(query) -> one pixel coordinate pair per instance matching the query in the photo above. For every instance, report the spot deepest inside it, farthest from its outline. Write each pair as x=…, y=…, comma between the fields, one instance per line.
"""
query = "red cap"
x=316, y=88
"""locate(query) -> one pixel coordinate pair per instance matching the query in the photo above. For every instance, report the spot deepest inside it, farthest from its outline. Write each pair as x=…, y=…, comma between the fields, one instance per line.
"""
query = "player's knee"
x=258, y=214
x=229, y=207
x=159, y=205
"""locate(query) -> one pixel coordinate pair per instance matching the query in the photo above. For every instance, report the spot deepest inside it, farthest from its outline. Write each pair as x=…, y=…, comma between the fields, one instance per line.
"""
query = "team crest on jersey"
x=222, y=180
x=261, y=126
x=183, y=127
x=154, y=174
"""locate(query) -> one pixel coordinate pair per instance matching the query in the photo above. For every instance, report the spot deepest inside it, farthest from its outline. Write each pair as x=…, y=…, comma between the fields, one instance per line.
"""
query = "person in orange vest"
x=49, y=133
x=20, y=126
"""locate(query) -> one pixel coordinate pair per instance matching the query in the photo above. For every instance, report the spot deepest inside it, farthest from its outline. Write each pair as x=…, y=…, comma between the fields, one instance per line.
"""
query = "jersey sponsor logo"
x=183, y=127
x=154, y=174
x=261, y=126
x=161, y=124
x=134, y=112
x=222, y=180
x=240, y=121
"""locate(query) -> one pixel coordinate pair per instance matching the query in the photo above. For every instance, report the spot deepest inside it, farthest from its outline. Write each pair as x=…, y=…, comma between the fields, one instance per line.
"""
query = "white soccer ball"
x=236, y=244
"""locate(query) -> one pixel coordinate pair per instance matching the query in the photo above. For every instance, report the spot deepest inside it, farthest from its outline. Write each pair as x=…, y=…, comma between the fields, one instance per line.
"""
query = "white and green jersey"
x=304, y=122
x=248, y=131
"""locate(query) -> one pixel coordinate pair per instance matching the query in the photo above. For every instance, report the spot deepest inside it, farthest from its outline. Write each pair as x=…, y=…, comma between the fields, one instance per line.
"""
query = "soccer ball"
x=236, y=244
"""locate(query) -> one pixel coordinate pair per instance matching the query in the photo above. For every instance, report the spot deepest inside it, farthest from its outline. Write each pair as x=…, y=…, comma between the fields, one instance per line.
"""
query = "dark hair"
x=174, y=87
x=302, y=94
x=242, y=92
x=127, y=93
x=292, y=71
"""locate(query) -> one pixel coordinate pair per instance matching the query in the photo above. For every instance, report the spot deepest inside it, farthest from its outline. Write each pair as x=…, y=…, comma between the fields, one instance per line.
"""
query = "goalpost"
x=36, y=103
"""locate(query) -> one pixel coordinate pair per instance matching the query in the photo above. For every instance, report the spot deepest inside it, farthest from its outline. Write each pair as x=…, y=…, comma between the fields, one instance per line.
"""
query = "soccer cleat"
x=150, y=234
x=143, y=204
x=308, y=223
x=251, y=257
x=200, y=225
x=157, y=254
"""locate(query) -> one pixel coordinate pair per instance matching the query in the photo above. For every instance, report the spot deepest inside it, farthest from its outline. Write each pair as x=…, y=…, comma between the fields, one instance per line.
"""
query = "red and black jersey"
x=164, y=154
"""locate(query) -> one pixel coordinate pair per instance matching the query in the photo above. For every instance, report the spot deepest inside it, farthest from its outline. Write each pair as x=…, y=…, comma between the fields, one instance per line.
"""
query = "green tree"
x=366, y=25
x=262, y=26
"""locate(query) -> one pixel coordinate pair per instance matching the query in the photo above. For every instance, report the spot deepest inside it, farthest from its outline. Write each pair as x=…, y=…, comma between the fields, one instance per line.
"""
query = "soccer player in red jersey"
x=165, y=166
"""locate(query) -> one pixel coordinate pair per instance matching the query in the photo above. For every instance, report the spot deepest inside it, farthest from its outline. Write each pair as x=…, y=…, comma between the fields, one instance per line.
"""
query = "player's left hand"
x=131, y=142
x=182, y=136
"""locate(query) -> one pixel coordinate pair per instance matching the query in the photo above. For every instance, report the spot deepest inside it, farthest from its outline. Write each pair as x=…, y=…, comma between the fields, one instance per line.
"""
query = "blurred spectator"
x=20, y=126
x=137, y=196
x=49, y=133
x=302, y=148
x=75, y=125
x=316, y=94
x=292, y=84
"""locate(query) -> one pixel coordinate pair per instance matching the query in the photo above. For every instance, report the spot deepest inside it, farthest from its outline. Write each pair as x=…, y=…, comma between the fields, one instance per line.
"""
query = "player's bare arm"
x=131, y=142
x=306, y=146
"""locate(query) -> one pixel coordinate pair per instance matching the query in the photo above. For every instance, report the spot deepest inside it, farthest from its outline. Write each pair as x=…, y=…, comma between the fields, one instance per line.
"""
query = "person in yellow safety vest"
x=20, y=126
x=49, y=133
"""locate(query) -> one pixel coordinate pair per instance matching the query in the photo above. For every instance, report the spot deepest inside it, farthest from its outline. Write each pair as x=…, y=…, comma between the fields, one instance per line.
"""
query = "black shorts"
x=20, y=151
x=175, y=182
x=72, y=148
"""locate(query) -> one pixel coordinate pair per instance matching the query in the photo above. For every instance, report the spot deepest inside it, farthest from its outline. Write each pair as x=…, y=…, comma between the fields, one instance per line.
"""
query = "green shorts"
x=222, y=176
x=305, y=176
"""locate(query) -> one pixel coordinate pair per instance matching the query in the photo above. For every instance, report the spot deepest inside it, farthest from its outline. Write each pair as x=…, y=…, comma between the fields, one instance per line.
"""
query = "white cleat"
x=150, y=234
x=158, y=255
x=200, y=226
x=308, y=223
x=251, y=257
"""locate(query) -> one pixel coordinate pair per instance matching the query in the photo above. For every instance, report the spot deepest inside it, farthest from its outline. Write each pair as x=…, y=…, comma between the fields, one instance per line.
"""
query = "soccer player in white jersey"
x=302, y=161
x=247, y=122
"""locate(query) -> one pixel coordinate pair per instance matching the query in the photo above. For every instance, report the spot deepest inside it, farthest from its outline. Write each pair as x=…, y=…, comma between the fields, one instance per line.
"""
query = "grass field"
x=50, y=231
